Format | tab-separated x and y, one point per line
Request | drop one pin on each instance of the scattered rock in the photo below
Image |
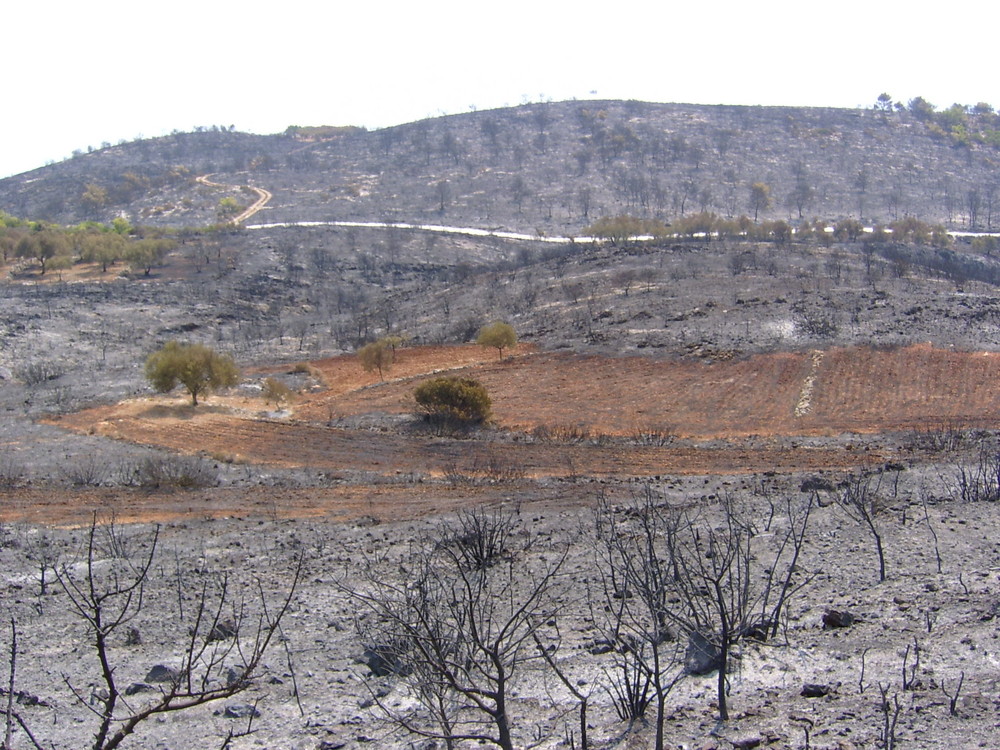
162	673
222	631
382	661
600	646
834	618
25	699
815	484
815	690
233	675
240	711
139	687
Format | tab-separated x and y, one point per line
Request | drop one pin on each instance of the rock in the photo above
600	646
382	661
746	743
814	690
240	711
834	618
233	675
139	687
162	673
702	656
222	631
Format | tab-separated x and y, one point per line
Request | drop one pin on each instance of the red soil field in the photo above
740	415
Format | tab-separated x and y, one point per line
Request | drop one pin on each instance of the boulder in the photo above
815	690
162	673
834	618
702	656
383	661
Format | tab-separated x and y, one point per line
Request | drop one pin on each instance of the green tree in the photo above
144	254
199	368
121	225
760	198
275	392
498	336
378	355
228	208
94	197
43	246
622	228
105	248
8	242
921	108
60	263
453	400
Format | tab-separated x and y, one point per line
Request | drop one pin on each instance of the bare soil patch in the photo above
733	417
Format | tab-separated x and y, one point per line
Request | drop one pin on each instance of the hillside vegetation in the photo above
553	168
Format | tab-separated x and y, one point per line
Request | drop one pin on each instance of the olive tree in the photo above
378	355
498	336
199	368
43	246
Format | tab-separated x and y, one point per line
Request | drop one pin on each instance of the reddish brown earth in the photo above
742	416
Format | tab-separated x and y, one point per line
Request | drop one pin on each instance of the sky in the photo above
80	74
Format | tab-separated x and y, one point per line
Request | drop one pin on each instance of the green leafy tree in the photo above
622	228
199	368
498	336
453	400
121	225
228	208
378	355
921	108
8	241
104	248
94	197
275	392
43	246
848	230
144	254
60	263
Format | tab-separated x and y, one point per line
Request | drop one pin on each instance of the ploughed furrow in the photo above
331	449
871	390
733	408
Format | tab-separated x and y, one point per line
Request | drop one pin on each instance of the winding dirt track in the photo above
263	197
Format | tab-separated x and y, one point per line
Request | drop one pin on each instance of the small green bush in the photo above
453	400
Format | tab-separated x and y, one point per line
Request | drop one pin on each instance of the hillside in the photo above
748	416
550	167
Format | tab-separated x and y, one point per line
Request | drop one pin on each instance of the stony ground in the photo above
948	614
259	502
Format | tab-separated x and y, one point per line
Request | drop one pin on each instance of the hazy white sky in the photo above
80	73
